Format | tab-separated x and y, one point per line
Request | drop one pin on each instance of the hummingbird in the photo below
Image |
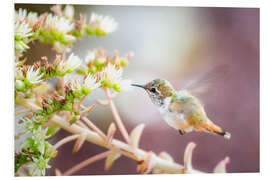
181	109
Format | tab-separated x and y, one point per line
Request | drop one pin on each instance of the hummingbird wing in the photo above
203	83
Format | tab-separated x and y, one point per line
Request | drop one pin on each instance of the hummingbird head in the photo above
158	90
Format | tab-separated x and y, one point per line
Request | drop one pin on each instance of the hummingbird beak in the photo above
138	85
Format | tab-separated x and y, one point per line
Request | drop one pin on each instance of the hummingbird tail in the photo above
216	129
225	134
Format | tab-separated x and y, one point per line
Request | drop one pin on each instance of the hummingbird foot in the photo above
181	132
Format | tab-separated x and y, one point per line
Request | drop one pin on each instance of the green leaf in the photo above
20	160
52	130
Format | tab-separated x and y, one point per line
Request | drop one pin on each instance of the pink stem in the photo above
80	123
94	127
79	104
65	140
117	117
86	162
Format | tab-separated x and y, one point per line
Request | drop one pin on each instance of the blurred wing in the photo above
205	81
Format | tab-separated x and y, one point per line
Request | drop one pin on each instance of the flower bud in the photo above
19	85
67	106
85	90
123	62
74	119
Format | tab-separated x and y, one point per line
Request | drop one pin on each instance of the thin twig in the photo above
86	163
65	140
117	118
87	110
80	102
80	123
94	127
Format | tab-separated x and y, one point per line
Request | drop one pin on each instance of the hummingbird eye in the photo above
153	90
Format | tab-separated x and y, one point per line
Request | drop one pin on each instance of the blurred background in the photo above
178	44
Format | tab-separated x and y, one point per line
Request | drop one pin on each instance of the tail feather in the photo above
216	129
225	134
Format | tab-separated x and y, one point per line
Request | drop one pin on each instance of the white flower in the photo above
33	76
75	85
69	11
40	134
58	23
91	55
97	55
39	166
69	65
111	74
22	30
32	18
105	24
27	125
20	15
90	83
101	59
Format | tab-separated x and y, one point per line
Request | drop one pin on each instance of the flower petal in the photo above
135	135
110	159
221	166
79	142
188	156
110	133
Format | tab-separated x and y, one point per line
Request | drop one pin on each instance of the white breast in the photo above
164	108
169	117
172	117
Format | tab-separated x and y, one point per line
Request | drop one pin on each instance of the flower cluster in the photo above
35	150
69	65
22	34
26	77
111	77
101	25
59	29
95	60
90	83
109	70
24	29
33	90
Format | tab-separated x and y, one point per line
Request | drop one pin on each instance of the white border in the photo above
7	125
